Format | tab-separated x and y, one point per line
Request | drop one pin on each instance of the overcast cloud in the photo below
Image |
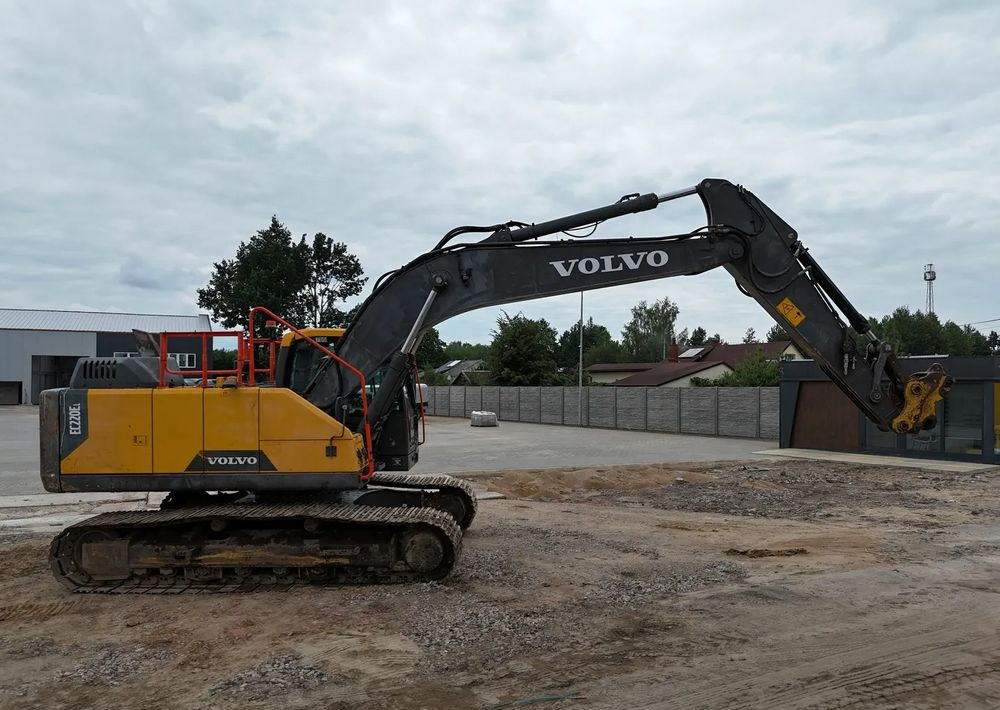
143	140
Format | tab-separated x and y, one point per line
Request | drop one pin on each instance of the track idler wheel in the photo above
423	551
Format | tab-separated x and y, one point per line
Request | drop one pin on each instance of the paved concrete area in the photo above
19	451
57	499
455	447
452	447
875	460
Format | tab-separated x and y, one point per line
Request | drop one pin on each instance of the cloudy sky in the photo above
141	141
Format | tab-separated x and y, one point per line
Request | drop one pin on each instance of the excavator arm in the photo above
515	263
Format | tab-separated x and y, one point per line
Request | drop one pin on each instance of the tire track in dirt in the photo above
959	663
37	612
977	680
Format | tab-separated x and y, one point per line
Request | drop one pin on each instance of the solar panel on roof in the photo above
691	352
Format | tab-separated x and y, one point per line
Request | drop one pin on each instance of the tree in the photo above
523	352
430	352
645	337
699	337
916	333
430	377
333	275
607	352
776	334
457	350
754	371
300	282
223	359
569	342
750	336
716	338
993	343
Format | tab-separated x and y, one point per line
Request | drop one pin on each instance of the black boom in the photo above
759	249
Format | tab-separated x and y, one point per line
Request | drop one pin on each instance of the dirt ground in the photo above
776	583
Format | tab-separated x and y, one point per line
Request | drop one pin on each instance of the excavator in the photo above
291	468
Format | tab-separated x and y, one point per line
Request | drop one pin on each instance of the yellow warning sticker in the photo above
790	311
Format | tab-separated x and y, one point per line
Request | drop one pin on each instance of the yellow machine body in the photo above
194	438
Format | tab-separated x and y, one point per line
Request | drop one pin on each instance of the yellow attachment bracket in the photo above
920	397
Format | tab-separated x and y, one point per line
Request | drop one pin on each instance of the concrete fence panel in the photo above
509	407
739	411
442	401
699	409
571	406
663	409
630	407
749	412
473	400
529	404
457	406
551	405
491	400
768	413
602	406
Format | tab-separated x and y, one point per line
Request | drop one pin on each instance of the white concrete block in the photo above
483	419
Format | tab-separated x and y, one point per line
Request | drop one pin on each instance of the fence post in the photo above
758	411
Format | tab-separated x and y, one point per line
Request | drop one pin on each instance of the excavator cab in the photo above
299	365
299	362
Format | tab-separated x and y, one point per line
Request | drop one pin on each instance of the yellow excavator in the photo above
290	468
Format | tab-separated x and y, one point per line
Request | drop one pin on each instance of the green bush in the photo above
755	371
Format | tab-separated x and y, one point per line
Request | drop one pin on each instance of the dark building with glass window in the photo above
816	415
39	349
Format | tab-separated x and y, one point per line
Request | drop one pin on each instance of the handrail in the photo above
205	372
252	341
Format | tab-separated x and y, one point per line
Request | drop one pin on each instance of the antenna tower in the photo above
929	275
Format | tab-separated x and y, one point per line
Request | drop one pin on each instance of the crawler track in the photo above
443	485
247	547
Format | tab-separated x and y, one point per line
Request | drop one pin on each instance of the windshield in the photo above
306	361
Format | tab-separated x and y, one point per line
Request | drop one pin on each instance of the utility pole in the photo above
579	390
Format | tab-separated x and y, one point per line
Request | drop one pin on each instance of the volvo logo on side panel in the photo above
611	263
219	461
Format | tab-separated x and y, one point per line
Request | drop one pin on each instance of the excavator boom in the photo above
515	262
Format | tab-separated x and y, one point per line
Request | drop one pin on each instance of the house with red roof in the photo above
708	361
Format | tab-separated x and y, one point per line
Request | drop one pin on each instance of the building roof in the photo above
665	372
453	368
93	322
734	354
691	360
620	366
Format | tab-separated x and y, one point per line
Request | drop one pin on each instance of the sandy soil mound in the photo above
550	484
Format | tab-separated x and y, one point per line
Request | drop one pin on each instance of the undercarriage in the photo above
409	532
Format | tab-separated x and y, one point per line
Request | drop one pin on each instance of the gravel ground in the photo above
627	590
275	676
113	663
776	583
